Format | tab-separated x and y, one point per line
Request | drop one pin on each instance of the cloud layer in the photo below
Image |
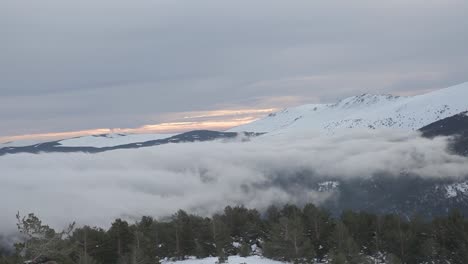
205	177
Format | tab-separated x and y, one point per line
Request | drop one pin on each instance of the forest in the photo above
289	233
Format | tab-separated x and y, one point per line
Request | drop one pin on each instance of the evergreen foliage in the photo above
290	233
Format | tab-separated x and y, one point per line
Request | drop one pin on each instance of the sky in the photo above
151	65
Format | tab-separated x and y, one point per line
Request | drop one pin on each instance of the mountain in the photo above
406	195
111	140
455	126
440	113
362	111
450	126
366	111
101	143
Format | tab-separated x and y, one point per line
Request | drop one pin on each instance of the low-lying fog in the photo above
204	177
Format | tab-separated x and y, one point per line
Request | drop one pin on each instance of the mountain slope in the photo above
98	141
95	144
366	111
407	195
111	140
455	126
450	126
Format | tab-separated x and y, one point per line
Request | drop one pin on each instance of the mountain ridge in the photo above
191	136
456	127
366	111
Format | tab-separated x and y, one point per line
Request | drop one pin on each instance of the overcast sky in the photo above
75	65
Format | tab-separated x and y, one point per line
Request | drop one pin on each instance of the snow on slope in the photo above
455	189
98	141
231	260
22	143
111	140
366	111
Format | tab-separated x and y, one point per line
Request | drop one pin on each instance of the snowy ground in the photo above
22	143
250	260
232	260
97	141
110	140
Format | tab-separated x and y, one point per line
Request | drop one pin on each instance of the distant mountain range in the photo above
427	112
366	111
101	143
440	113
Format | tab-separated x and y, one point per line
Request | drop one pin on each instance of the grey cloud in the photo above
126	62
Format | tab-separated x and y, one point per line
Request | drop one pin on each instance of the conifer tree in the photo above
288	239
221	237
344	244
42	241
122	237
319	226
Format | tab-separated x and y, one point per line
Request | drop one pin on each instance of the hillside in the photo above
102	143
366	111
455	126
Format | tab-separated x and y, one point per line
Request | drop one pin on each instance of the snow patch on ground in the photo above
231	260
328	186
21	143
380	259
453	190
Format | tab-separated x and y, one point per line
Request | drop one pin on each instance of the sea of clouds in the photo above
204	177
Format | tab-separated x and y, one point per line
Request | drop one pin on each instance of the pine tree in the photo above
184	235
319	227
145	237
221	237
245	250
203	238
288	239
93	243
123	238
344	244
42	241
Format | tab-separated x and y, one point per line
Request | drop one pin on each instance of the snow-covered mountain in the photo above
380	192
98	141
108	142
362	111
366	111
111	140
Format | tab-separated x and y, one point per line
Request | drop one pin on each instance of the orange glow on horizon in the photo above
232	118
224	113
